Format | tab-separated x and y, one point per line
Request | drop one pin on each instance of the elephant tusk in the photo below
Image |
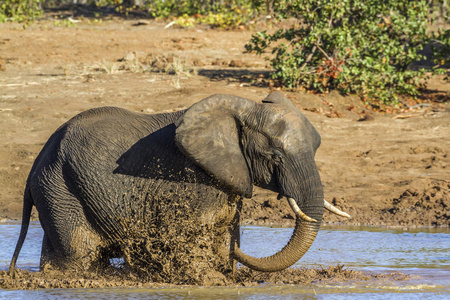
298	212
335	210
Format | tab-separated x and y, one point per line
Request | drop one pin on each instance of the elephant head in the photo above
272	145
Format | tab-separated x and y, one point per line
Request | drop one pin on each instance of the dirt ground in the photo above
383	169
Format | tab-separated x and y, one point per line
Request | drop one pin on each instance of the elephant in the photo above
108	169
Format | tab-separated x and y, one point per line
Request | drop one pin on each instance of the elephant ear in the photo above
208	134
279	98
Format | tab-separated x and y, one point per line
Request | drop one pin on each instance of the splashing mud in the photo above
188	253
181	242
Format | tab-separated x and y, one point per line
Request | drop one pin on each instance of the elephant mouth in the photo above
327	205
299	213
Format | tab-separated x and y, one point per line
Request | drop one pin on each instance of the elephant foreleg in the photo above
47	253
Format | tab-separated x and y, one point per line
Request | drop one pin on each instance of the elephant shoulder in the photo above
108	132
119	121
104	134
99	115
98	133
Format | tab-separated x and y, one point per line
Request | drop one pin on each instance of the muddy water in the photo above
424	254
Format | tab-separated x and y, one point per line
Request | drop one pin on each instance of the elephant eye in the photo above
277	156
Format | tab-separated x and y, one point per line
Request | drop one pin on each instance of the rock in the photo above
236	63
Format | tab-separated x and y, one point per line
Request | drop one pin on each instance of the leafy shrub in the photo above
19	10
230	17
220	14
441	48
177	8
226	17
354	46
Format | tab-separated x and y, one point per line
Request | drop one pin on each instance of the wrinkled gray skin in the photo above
110	164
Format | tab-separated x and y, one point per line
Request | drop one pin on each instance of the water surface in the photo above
424	254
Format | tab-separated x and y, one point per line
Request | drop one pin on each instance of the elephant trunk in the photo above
305	231
303	236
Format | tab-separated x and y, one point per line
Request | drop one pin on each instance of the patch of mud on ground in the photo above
244	277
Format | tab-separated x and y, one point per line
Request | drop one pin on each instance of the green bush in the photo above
354	46
225	14
441	47
177	8
19	10
234	15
